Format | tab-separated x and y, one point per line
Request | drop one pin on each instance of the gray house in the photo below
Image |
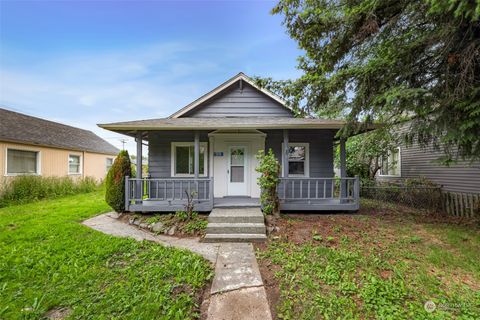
207	149
413	161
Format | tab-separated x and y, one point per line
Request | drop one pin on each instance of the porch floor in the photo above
232	202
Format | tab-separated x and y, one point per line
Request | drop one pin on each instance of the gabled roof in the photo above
239	77
20	128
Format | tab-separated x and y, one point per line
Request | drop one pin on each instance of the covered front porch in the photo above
212	174
307	194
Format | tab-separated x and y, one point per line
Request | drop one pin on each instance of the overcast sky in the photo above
88	62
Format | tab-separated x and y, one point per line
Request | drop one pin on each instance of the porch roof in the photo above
222	123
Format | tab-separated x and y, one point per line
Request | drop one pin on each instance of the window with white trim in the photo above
298	159
391	163
183	159
74	166
108	164
22	162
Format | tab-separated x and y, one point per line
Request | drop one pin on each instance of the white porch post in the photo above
196	159
285	153
196	156
139	165
343	169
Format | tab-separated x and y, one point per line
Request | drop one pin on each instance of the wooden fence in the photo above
461	204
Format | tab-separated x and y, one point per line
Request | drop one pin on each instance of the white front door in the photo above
237	171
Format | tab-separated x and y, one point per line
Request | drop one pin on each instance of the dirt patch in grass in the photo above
58	313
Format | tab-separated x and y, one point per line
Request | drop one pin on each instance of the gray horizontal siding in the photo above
233	102
321	149
320	144
160	148
418	162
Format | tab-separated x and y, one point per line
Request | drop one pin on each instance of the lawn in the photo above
383	263
52	263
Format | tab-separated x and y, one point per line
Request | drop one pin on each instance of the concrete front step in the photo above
229	218
235	225
239	237
235	228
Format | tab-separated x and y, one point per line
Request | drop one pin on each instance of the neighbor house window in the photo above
298	155
109	163
391	163
74	164
22	162
183	159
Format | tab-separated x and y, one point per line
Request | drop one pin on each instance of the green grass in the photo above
382	267
49	260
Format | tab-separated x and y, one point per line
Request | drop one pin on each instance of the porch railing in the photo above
167	191
345	190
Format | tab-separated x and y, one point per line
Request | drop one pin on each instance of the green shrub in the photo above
24	189
115	182
268	181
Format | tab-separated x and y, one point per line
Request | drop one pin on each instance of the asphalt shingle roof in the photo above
17	127
224	123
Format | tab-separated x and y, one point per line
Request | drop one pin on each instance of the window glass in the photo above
296	160
182	156
73	164
109	163
237	163
391	163
21	162
185	160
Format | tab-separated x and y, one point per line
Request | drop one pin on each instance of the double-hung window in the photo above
183	159
74	165
391	163
298	159
23	162
108	164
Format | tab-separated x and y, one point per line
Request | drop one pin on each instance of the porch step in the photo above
239	237
244	215
235	228
235	225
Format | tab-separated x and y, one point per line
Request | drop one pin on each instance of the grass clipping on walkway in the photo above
384	264
50	261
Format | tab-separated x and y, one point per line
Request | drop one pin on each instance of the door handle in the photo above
228	171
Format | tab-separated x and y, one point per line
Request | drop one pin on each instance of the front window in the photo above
22	162
298	159
73	164
391	163
109	163
184	159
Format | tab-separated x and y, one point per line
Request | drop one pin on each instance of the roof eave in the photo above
220	126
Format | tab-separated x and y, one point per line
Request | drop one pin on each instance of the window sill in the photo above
188	176
75	174
21	174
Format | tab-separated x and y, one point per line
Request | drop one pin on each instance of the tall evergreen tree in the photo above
387	61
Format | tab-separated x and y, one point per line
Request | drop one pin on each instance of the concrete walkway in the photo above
106	223
237	291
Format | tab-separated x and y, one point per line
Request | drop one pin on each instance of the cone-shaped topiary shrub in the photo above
115	181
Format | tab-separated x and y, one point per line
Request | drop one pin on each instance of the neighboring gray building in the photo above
413	161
